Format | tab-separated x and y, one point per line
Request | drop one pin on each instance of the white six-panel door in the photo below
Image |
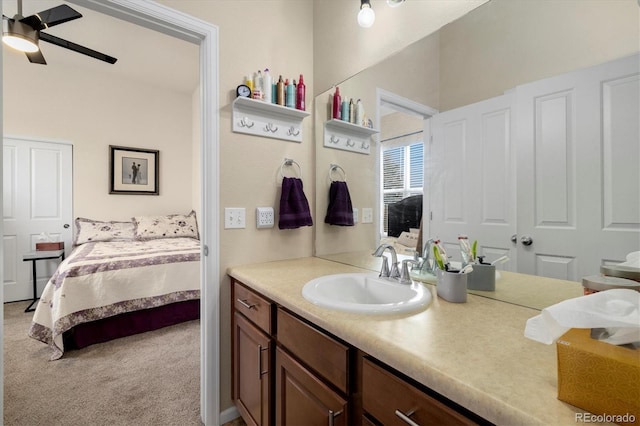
571	146
473	180
579	170
37	198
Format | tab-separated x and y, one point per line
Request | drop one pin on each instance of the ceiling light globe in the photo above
394	3
366	16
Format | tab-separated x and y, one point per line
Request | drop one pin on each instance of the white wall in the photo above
93	111
505	43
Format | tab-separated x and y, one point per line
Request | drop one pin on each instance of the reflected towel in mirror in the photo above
340	210
294	207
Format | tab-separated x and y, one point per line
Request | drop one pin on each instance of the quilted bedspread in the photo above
103	279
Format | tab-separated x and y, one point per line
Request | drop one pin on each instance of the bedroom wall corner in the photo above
1	249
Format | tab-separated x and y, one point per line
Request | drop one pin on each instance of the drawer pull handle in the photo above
244	303
405	417
260	372
332	416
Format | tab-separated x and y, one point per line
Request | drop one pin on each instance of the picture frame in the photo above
134	171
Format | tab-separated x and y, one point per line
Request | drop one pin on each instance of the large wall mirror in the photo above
481	59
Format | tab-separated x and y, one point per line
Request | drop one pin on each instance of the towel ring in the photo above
335	168
290	162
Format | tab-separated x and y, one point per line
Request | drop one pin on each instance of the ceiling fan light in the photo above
19	36
366	16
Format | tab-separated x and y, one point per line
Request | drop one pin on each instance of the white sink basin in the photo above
365	293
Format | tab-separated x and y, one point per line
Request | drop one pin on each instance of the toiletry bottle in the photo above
337	101
257	84
344	110
266	86
290	101
352	111
249	82
465	250
301	94
359	113
280	91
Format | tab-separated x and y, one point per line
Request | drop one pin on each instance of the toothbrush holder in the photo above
451	286
483	277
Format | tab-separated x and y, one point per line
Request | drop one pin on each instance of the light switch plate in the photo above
355	216
234	217
367	215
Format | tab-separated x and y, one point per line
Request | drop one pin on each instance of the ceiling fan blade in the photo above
36	57
77	48
50	17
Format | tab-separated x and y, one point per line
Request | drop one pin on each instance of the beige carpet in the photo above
148	379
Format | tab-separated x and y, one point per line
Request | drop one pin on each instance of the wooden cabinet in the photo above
252	356
304	399
391	400
287	371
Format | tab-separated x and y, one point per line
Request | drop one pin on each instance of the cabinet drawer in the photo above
253	306
388	398
320	352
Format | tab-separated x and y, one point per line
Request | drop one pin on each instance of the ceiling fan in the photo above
24	33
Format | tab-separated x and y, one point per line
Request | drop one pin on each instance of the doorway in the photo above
414	118
168	21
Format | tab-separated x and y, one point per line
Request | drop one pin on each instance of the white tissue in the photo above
633	260
617	310
45	237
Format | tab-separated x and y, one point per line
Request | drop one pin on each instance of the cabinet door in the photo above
251	376
302	399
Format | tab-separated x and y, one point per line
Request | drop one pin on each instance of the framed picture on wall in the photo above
134	171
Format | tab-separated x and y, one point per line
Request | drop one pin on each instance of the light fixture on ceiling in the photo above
394	3
19	36
366	16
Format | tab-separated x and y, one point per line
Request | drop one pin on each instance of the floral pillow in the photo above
88	230
169	226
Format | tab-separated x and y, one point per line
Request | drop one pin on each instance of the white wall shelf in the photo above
259	118
347	136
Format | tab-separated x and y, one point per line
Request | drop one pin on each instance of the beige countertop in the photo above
474	353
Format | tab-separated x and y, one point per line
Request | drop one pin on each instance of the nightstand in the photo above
33	257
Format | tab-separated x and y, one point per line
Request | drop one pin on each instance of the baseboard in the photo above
229	414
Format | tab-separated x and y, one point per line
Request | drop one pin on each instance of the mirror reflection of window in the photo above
403	176
402	150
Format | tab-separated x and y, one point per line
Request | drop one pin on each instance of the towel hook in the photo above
334	168
290	162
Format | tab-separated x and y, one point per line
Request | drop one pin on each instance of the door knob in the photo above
514	238
65	226
527	241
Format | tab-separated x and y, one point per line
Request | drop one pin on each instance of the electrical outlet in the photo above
234	217
367	215
264	217
355	216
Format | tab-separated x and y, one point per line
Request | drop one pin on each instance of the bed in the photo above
121	278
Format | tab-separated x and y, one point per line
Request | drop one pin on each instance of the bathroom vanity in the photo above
460	363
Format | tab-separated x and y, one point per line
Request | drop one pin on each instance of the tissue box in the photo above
599	377
49	246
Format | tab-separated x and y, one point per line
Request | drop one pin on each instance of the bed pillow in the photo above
169	226
89	230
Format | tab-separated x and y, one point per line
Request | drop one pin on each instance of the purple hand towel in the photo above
294	207
340	210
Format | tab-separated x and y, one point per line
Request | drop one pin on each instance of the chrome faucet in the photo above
385	271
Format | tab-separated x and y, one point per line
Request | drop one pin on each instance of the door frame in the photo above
408	106
168	21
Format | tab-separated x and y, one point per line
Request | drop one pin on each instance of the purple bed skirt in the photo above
127	324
